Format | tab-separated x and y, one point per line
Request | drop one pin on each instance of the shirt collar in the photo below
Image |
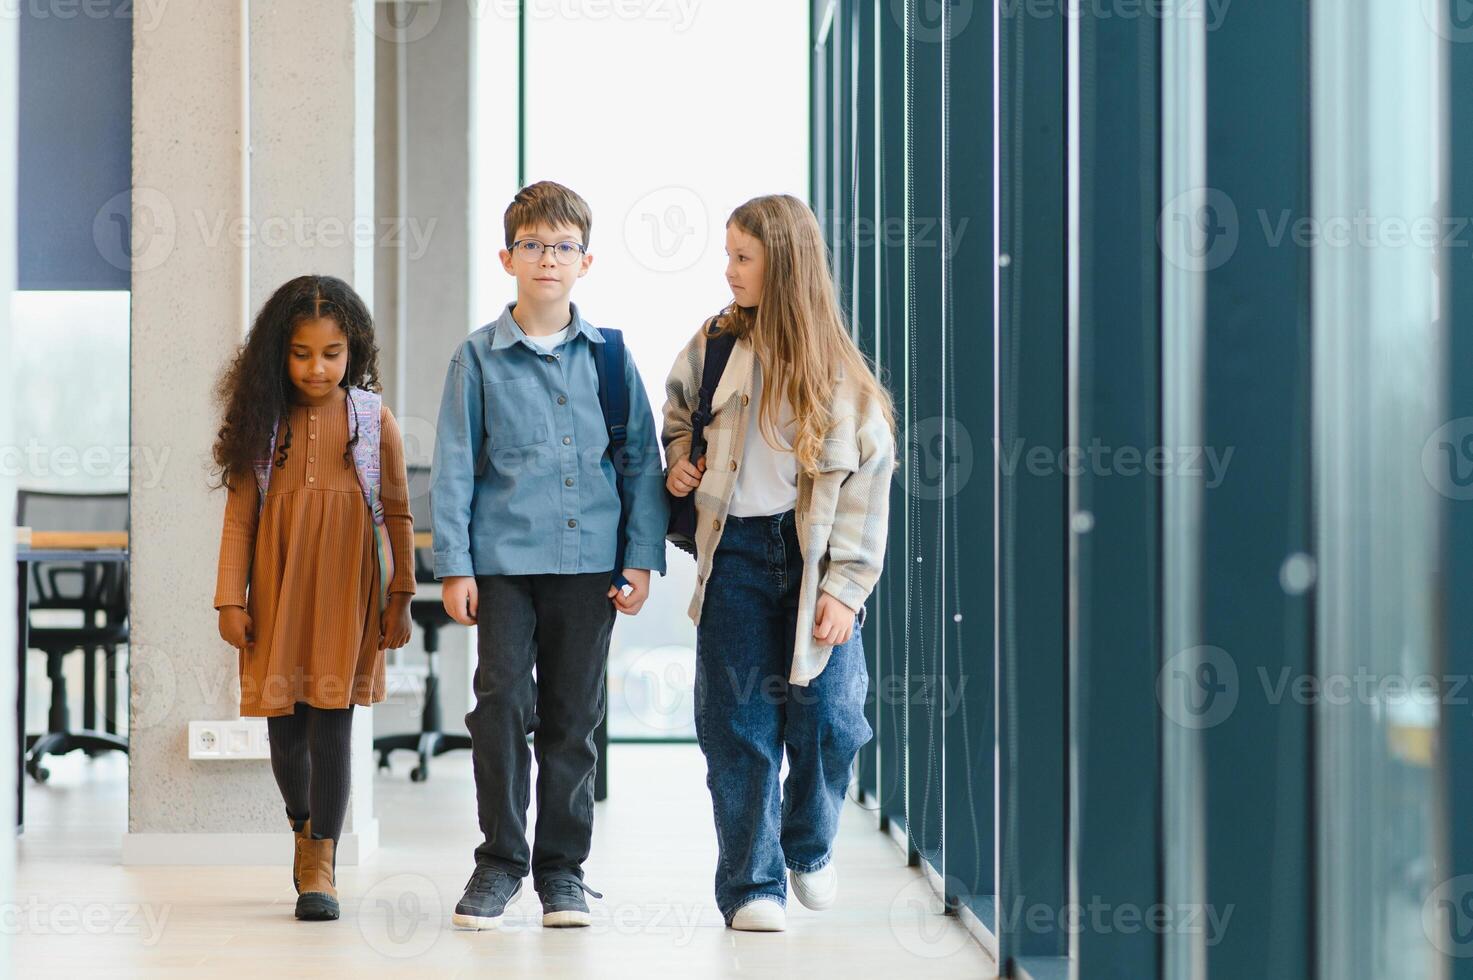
507	331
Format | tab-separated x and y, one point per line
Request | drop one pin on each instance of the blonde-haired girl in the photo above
792	503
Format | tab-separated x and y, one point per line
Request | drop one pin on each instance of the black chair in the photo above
430	614
97	592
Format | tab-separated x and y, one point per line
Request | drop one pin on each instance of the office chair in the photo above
430	615
98	592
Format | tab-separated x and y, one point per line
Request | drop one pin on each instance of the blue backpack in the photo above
613	398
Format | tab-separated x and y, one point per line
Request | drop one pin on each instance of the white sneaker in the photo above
760	915
816	889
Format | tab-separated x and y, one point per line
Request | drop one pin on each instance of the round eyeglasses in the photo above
531	249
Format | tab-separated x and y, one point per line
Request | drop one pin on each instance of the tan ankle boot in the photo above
319	895
302	830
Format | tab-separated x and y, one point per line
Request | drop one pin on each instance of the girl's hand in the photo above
684	476
394	625
833	622
235	627
639	583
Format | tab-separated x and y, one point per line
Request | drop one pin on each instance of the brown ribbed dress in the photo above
312	572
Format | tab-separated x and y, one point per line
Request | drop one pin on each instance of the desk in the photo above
47	546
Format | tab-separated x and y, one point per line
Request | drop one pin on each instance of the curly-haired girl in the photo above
316	557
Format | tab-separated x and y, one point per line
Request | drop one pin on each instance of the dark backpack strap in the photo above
718	352
613	398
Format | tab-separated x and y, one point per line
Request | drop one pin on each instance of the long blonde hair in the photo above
798	332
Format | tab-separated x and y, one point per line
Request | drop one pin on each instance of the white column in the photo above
312	206
188	314
426	75
259	169
437	217
8	748
311	176
390	179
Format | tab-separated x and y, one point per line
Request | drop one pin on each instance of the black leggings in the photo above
311	759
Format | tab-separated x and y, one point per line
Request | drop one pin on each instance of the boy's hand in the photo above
235	627
458	593
639	591
684	477
394	625
833	622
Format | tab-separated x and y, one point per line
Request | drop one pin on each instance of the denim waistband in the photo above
787	517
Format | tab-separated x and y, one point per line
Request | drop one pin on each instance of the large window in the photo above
683	111
71	394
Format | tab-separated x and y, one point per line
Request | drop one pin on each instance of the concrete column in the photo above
189	311
390	176
311	125
311	194
426	72
437	157
258	169
8	101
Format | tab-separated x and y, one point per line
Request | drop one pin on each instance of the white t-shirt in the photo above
767	479
551	340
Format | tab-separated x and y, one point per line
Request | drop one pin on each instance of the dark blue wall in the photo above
76	107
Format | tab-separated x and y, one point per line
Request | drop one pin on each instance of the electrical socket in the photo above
204	740
240	738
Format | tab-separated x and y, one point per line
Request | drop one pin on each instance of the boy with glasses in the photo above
528	514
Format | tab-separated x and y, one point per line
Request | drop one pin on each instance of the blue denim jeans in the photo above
747	715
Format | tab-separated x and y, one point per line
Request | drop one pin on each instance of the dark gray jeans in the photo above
561	625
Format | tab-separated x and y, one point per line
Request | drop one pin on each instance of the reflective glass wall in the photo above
1169	656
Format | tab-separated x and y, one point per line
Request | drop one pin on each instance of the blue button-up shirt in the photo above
522	482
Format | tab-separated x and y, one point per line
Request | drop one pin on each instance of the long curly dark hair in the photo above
255	392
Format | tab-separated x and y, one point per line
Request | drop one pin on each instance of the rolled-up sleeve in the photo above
458	438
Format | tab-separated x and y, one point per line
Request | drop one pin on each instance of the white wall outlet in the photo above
239	738
204	740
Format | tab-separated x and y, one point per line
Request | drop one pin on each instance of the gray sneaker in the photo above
562	900
486	897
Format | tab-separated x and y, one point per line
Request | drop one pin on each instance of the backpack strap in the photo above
718	352
613	399
262	467
365	420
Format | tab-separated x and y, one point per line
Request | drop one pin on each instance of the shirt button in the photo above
311	479
568	482
549	358
744	399
312	435
562	399
312	417
311	459
572	524
733	464
567	439
715	525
